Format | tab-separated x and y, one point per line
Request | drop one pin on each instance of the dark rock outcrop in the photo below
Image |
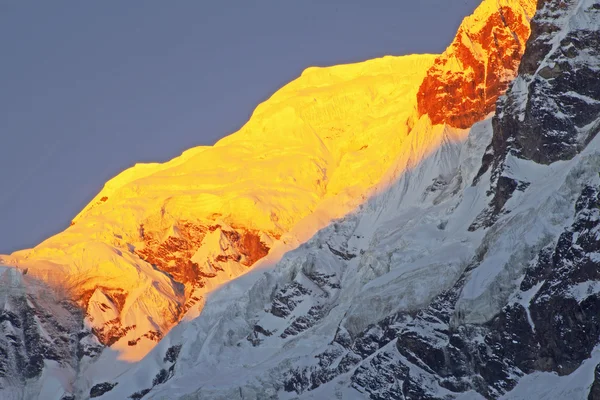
101	388
551	111
35	327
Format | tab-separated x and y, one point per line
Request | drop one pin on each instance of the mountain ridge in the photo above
372	268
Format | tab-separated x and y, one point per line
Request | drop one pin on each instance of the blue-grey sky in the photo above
89	88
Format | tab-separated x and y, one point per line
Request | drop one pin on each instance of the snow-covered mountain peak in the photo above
371	232
464	83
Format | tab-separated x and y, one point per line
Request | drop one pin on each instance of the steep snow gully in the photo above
416	227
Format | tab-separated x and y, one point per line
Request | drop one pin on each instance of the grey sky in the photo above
88	88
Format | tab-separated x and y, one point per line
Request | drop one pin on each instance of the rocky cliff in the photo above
463	84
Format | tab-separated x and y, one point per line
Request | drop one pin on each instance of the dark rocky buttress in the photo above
37	327
551	111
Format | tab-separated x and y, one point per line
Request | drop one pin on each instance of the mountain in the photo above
462	86
375	231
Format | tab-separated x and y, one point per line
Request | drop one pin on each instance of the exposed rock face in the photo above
178	256
37	328
595	389
101	388
23	346
552	109
464	83
173	254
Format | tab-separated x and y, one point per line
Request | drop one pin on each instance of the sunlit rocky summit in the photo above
412	227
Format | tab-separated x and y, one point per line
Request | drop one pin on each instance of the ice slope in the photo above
551	386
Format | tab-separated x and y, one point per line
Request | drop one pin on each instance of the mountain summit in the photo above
374	231
462	86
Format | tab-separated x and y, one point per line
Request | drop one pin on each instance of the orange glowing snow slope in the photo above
158	237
